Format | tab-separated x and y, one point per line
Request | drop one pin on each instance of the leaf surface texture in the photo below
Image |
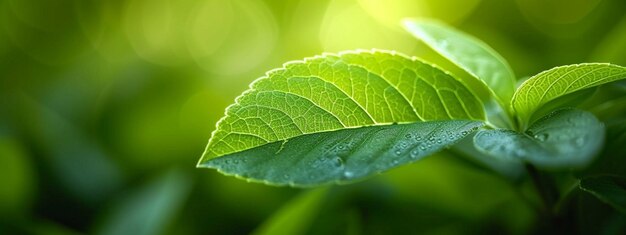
340	91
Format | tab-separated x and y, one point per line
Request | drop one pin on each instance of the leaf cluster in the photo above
340	118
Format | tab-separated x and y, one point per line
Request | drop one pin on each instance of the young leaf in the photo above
338	91
609	189
566	138
342	156
554	83
469	53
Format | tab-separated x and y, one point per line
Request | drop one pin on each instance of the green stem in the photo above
549	194
546	188
566	196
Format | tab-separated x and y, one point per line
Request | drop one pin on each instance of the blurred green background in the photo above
105	107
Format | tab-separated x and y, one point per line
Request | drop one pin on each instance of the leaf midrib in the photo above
390	88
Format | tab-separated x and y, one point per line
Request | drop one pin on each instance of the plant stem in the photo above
546	189
549	194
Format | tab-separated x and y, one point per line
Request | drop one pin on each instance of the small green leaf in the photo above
296	216
554	83
609	189
333	92
469	53
566	138
342	156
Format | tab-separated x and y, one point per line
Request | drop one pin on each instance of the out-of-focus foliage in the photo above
105	107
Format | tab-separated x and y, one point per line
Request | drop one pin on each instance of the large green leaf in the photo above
566	138
338	91
493	74
557	82
609	189
342	156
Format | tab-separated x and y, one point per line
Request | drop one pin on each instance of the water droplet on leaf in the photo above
338	162
541	137
580	141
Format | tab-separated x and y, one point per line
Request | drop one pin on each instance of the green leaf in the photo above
557	82
609	189
613	157
339	91
493	74
512	170
566	138
149	209
296	216
342	156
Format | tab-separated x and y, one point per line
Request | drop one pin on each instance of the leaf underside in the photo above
566	138
557	82
342	156
339	91
609	189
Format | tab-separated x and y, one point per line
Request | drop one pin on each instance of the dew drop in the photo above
414	153
402	145
431	139
408	136
422	147
227	161
464	133
348	174
580	141
398	152
418	138
439	141
338	162
541	137
236	161
395	162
